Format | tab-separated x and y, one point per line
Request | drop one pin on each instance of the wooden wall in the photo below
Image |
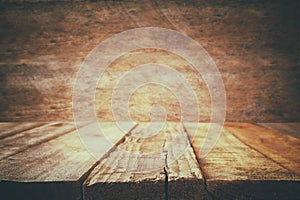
255	45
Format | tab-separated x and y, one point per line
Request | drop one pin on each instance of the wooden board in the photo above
292	129
11	128
281	148
233	170
54	169
23	140
135	169
49	162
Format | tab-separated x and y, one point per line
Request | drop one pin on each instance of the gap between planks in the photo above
135	170
234	170
281	148
27	138
42	171
216	183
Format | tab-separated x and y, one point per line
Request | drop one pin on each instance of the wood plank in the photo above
54	169
23	140
232	170
135	169
12	128
292	129
281	148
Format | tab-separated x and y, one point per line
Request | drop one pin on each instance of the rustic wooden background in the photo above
255	45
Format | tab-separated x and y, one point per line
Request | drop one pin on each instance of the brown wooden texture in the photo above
54	169
50	161
43	46
292	129
11	128
23	140
281	148
134	170
233	170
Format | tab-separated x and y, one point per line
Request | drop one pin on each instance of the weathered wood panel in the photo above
59	167
292	129
39	60
135	170
281	148
54	169
23	140
11	128
235	171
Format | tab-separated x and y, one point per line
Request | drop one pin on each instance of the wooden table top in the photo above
49	160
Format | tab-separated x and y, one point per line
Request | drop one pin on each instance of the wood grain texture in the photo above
292	129
54	169
23	140
11	128
61	166
281	148
235	171
135	169
38	68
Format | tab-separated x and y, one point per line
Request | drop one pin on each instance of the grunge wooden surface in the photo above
61	167
255	45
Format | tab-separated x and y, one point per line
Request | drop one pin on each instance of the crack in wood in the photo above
199	164
166	171
166	183
115	146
